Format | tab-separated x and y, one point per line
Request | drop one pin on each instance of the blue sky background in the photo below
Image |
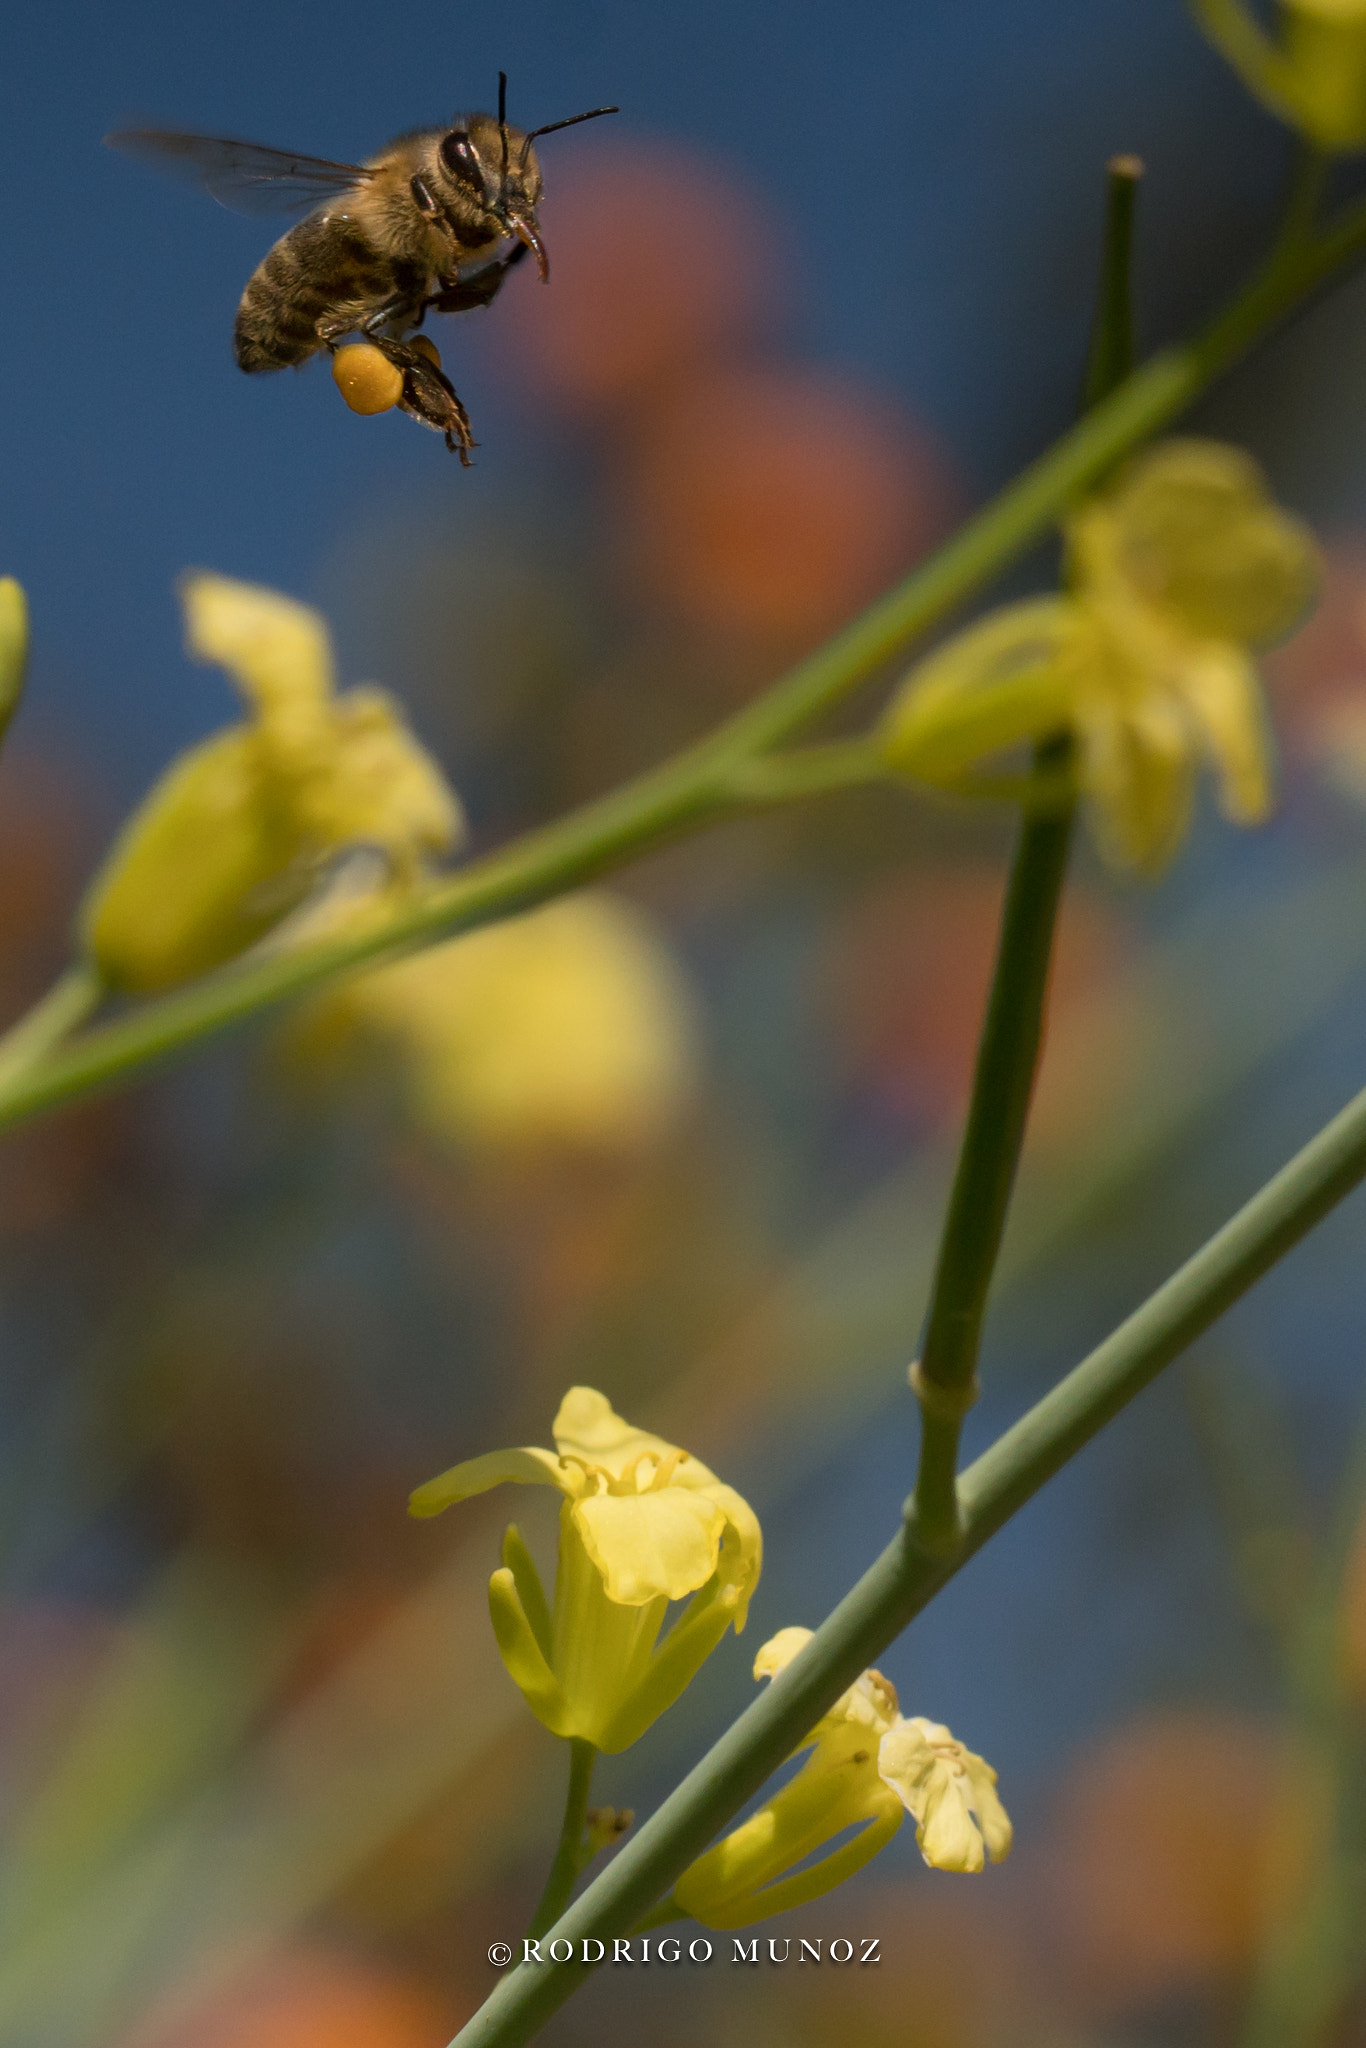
937	164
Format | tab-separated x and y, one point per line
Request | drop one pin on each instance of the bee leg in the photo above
429	396
430	207
480	290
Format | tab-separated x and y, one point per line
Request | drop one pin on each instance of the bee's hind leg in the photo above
429	396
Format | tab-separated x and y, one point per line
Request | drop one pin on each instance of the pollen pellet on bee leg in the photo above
422	346
366	379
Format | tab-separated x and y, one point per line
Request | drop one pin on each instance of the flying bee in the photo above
433	223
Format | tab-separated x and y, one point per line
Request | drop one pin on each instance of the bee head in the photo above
497	175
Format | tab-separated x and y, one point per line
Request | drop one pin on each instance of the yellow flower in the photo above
233	835
1177	571
959	1819
868	1768
571	1023
13	646
1312	72
642	1524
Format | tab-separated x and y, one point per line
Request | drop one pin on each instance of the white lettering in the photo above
815	1948
870	1954
746	1955
562	1941
694	1946
773	1955
531	1951
669	1943
835	1948
601	1951
621	1950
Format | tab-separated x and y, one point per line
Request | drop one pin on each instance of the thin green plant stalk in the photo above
906	1576
945	1375
73	998
571	1854
705	783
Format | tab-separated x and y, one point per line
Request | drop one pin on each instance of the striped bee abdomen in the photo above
321	270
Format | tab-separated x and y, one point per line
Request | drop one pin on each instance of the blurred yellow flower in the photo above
570	1023
233	834
1177	571
1312	72
868	1768
13	645
642	1524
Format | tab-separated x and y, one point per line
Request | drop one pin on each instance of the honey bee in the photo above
433	223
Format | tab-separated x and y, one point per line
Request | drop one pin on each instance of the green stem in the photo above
945	1378
692	788
570	1856
74	997
905	1577
1110	356
807	771
945	1375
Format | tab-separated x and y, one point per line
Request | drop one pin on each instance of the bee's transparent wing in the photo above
243	175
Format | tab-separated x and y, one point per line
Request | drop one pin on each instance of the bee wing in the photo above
245	176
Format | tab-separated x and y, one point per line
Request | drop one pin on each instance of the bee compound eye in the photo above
461	158
366	379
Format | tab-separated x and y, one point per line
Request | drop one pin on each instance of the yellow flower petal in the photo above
777	1653
276	650
870	1704
1139	773
950	1792
588	1427
645	1544
1194	531
529	1467
992	1818
1225	697
748	1551
377	786
570	1024
948	1840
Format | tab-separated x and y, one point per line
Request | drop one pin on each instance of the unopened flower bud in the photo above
366	379
200	872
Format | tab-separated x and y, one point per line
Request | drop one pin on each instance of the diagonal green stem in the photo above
73	997
569	1856
945	1375
905	1577
696	786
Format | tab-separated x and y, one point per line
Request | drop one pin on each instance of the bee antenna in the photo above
503	121
573	122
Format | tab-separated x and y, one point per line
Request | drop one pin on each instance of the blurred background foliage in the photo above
262	1778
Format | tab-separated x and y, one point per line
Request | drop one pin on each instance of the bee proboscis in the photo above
433	223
